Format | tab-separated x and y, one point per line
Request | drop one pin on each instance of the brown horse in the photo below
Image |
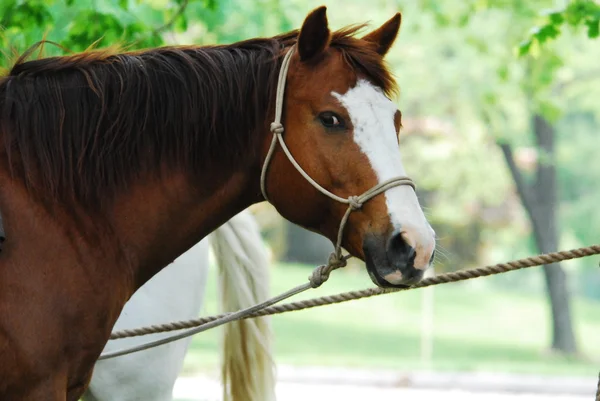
112	165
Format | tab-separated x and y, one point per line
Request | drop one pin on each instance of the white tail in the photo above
247	364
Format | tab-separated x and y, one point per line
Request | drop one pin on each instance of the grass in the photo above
475	328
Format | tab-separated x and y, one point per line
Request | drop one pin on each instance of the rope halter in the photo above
336	260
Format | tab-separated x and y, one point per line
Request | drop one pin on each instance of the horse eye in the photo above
331	120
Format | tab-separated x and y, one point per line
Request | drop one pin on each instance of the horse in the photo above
113	163
177	293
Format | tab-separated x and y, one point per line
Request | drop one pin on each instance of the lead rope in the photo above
319	274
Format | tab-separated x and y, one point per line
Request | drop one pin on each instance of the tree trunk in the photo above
540	200
546	235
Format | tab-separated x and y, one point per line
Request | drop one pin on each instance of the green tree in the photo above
77	25
575	14
529	113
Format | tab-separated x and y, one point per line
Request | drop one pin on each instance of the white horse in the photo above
177	293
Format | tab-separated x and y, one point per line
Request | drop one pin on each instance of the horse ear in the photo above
385	35
314	35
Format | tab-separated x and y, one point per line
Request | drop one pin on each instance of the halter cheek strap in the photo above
336	259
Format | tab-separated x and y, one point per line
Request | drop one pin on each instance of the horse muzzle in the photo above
390	260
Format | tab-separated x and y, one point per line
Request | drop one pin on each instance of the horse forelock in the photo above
83	126
362	57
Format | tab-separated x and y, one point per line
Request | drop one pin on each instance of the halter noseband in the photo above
354	202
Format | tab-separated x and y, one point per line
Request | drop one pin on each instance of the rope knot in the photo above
354	202
321	273
319	276
336	260
276	128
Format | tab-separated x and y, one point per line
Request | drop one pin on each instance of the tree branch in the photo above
170	23
524	190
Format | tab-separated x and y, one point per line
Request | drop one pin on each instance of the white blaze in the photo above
372	115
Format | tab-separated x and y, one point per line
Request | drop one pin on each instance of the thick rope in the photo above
451	277
206	323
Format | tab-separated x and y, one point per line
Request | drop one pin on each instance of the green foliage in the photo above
134	24
551	81
25	14
577	13
77	25
105	26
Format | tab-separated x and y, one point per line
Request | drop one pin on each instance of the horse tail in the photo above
248	370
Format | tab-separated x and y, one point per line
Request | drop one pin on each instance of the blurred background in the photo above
500	132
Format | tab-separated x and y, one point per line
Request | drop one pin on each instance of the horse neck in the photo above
161	218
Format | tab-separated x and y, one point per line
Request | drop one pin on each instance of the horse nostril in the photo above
400	251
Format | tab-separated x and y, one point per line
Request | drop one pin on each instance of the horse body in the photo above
94	277
114	164
177	293
49	336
